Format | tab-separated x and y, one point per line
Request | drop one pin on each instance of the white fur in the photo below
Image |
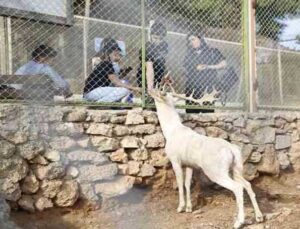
216	157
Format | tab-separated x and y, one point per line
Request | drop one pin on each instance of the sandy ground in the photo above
278	198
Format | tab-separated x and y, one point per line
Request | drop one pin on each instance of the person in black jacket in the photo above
156	52
202	64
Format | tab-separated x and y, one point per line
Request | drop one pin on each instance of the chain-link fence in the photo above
278	53
108	53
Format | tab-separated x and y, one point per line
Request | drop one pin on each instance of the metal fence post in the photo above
280	74
85	37
143	54
249	54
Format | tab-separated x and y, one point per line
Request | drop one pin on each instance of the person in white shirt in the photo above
39	65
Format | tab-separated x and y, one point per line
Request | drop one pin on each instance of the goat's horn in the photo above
192	94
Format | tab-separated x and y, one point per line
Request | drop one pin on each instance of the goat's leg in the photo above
239	177
188	180
225	181
179	178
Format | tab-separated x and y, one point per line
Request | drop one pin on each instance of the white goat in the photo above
215	156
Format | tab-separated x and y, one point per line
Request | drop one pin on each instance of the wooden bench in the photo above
28	87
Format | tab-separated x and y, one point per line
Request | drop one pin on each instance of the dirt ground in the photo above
278	198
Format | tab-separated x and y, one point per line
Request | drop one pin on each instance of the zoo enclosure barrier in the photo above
75	30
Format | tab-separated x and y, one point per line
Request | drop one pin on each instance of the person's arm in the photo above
217	61
117	82
220	65
59	82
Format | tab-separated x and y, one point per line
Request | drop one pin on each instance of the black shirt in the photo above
200	80
99	77
155	53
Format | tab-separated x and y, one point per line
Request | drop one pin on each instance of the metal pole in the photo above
9	45
249	54
280	75
143	54
85	38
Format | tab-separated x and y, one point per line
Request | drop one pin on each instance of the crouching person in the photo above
103	84
40	65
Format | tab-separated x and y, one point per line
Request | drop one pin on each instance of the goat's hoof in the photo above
188	209
180	209
238	225
259	218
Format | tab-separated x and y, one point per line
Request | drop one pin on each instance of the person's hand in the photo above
201	67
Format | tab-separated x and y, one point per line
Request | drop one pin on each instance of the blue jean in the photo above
107	94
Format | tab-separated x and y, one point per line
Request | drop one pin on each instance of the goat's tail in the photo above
237	160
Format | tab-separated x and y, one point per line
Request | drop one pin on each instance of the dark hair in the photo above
43	51
197	33
108	45
159	29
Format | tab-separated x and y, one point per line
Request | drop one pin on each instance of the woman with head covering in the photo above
201	65
103	84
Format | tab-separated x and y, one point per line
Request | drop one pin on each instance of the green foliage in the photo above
227	13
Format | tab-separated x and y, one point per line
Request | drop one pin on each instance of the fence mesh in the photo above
92	50
278	52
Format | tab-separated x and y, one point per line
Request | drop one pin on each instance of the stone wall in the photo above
51	156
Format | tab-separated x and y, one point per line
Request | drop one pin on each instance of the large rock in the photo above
80	156
6	149
50	188
98	116
147	170
134	117
16	137
264	135
255	157
239	137
39	160
52	171
14	168
143	129
118	119
150	117
30	184
250	171
159	158
100	129
294	155
269	163
93	173
246	151
69	129
240	122
119	156
76	116
140	154
130	142
9	190
68	194
31	149
87	192
283	141
62	143
155	140
27	203
41	203
283	159
133	167
118	187
105	143
216	132
120	130
52	155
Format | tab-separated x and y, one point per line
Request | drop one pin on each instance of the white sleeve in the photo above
57	79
